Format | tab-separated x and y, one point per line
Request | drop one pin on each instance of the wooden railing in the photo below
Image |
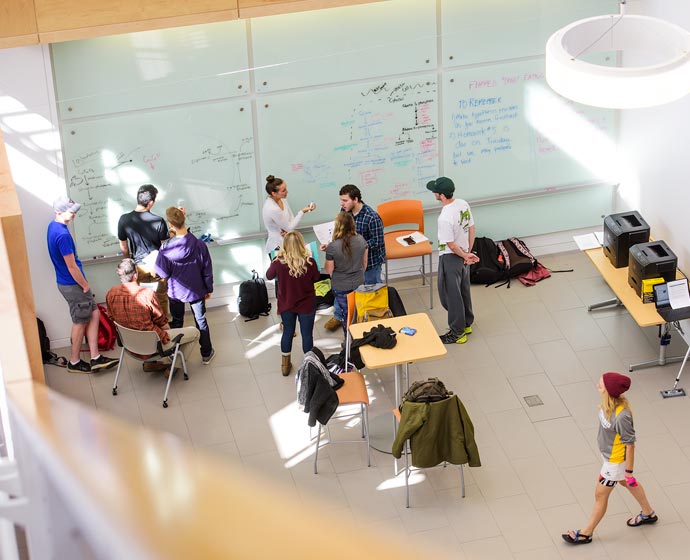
129	492
29	22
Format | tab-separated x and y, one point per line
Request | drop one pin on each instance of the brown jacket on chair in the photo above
438	432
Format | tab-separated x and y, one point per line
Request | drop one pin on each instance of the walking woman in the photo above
296	273
616	441
346	261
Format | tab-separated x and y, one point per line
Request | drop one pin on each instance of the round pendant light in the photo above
664	47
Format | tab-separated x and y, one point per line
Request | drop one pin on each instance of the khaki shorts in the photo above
81	305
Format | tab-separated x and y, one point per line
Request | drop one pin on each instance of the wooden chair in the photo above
397	217
353	392
144	345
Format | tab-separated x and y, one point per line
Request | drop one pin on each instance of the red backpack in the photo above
107	334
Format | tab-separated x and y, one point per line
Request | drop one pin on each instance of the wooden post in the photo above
20	353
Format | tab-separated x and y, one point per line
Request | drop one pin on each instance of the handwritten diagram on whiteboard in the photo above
381	136
200	157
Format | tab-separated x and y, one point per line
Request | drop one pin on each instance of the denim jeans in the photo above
306	329
199	311
373	275
340	305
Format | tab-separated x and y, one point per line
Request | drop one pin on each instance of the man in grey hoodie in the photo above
185	262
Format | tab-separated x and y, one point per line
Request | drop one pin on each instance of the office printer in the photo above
650	260
622	231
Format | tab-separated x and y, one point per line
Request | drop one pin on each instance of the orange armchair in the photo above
403	214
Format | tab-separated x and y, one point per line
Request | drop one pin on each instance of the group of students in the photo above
183	269
163	251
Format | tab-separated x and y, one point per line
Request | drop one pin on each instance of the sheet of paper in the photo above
600	237
151	285
416	236
678	294
587	241
324	232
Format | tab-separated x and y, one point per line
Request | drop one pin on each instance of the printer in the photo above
650	260
622	231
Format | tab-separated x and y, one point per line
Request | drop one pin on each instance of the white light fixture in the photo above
665	47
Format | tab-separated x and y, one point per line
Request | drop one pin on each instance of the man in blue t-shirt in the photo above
74	287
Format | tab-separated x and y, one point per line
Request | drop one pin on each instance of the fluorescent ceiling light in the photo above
664	47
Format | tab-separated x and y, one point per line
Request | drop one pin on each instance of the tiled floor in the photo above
539	464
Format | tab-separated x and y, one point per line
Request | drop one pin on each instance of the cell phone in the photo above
409	240
409	331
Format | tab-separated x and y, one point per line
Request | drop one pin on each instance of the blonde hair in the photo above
609	404
345	230
175	216
294	254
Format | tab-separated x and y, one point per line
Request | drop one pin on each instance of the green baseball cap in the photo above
442	185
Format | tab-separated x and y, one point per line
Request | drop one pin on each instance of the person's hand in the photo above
208	296
86	288
630	481
309	208
323	246
283	233
470	258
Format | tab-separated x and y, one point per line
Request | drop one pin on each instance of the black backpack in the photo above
43	339
490	269
253	298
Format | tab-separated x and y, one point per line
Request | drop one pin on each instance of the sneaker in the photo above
468	330
103	362
452	338
80	367
333	324
207	359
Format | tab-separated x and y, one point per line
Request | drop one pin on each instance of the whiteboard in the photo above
341	44
199	157
499	135
493	30
150	69
381	136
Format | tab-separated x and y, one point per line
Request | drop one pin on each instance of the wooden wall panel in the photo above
257	8
17	23
55	17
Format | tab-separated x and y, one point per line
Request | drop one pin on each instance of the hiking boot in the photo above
285	365
333	324
103	362
453	338
468	330
207	359
80	367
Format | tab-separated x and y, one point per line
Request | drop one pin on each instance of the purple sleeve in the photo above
272	271
162	265
207	271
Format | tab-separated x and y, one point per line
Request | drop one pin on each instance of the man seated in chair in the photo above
136	307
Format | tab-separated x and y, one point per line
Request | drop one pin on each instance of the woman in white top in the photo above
278	217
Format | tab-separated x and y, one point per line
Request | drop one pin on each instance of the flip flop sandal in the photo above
641	519
580	538
59	361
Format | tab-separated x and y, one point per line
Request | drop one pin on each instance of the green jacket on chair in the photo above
438	432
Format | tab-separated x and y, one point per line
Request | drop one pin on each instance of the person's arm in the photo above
285	221
272	271
77	275
162	266
373	232
365	258
314	270
329	266
124	248
207	268
157	316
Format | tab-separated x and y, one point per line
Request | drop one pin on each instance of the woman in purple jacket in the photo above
296	272
186	263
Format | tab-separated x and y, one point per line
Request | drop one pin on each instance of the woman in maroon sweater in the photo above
296	272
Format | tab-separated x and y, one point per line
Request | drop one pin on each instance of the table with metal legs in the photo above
425	344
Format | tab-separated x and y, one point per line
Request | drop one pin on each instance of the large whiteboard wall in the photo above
382	136
199	157
385	96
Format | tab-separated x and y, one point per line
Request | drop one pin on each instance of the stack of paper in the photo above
589	240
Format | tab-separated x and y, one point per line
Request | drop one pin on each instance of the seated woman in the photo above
296	273
346	261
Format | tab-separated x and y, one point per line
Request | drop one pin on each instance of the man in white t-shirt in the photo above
455	240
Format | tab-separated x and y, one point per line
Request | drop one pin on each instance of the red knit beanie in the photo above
616	384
